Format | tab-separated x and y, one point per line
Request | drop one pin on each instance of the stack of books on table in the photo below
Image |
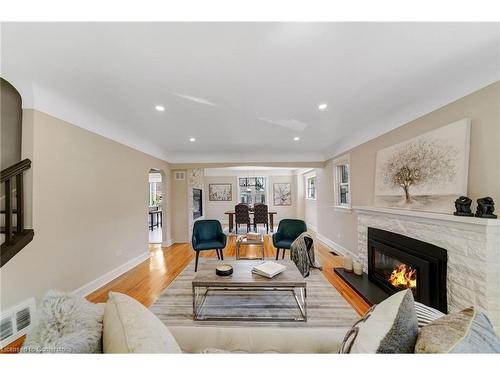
253	236
268	269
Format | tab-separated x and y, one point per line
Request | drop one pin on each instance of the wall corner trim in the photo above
341	250
167	243
88	288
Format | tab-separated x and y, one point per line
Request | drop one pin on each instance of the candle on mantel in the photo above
348	264
357	265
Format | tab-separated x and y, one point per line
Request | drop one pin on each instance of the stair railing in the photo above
7	176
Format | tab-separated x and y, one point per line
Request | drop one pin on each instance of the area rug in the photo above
325	306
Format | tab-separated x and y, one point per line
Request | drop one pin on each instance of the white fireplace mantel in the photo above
428	216
472	244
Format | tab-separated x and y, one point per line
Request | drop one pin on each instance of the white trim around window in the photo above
311	188
342	183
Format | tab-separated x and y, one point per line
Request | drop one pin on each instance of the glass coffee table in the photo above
245	296
244	241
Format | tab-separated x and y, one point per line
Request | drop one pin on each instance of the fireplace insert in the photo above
397	262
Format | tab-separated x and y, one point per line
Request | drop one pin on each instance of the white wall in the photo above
216	209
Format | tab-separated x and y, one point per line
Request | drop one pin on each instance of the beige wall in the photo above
90	204
179	205
482	107
10	124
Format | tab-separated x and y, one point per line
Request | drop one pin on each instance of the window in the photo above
341	182
252	190
311	187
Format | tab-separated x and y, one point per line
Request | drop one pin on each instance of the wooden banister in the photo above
14	170
18	237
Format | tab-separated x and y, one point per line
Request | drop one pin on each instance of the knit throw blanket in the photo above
302	254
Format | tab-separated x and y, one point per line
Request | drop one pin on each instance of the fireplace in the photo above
397	262
197	203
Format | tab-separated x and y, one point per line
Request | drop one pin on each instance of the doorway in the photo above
155	207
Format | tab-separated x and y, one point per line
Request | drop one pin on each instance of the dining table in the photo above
232	213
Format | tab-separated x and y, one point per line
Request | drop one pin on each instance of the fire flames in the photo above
404	277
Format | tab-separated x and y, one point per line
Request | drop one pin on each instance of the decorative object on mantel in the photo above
348	263
223	270
357	266
485	208
462	206
425	172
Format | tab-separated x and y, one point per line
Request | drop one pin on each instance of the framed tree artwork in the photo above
220	192
426	173
282	194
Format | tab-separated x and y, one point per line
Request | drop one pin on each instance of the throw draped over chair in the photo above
208	235
260	216
242	215
288	231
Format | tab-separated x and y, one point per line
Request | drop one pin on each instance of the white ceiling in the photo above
244	90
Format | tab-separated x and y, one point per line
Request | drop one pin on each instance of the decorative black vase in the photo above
485	208
462	206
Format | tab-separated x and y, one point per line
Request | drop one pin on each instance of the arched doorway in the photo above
156	209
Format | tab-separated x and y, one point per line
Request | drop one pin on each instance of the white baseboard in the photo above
312	228
167	243
88	288
339	249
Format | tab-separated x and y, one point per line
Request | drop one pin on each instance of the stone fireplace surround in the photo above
472	244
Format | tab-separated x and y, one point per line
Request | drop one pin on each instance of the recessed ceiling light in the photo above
296	138
322	106
192	139
160	108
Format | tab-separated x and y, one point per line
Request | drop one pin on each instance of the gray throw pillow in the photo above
466	331
389	327
65	323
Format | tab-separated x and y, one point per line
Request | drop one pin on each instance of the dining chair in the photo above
208	235
260	216
242	216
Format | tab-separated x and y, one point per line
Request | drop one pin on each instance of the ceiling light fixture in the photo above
296	138
160	108
192	139
322	106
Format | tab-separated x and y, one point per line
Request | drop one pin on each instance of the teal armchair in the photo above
288	231
208	235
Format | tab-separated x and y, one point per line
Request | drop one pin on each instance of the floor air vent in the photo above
15	322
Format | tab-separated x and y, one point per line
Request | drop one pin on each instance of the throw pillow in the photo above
131	328
65	323
389	327
466	331
426	314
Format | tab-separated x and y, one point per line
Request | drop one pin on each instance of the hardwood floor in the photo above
146	281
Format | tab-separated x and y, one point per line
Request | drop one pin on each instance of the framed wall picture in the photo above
427	172
220	192
282	194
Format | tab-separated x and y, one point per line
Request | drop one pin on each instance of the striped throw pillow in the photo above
426	314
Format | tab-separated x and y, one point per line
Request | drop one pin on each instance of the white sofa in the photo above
258	339
128	327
